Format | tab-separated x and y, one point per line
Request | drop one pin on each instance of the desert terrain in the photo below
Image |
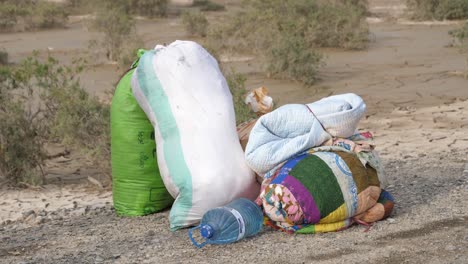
411	78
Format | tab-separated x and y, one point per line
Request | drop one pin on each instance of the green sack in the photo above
137	185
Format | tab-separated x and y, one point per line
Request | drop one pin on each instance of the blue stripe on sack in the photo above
173	154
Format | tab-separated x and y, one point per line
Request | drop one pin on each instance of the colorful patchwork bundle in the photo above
324	189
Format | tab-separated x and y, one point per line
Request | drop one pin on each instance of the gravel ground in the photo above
418	113
429	225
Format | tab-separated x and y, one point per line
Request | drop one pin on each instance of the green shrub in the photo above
3	57
339	26
461	36
129	49
286	33
207	5
195	23
30	14
290	57
117	27
236	83
21	134
438	9
150	8
49	15
42	101
8	16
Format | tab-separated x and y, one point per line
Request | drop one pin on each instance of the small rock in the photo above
62	159
87	209
43	213
116	256
78	212
30	218
39	220
450	247
391	220
28	213
98	259
95	182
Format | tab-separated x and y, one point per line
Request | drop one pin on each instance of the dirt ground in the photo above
411	79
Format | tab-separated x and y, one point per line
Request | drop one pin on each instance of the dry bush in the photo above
286	33
195	23
236	83
461	37
3	57
42	101
31	15
113	20
8	16
438	9
207	5
150	8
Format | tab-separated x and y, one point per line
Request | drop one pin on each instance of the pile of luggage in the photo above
175	143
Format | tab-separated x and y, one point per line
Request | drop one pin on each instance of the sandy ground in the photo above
410	78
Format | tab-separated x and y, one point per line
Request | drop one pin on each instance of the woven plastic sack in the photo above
137	185
183	92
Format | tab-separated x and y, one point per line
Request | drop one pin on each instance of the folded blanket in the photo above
322	191
294	128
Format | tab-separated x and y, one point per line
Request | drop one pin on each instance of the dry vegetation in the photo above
17	15
43	101
196	24
439	9
461	36
286	34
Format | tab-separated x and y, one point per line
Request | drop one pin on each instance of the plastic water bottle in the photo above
239	219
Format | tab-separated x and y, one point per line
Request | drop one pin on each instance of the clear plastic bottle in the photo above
239	219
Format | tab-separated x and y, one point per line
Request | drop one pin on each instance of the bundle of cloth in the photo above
294	128
324	189
319	173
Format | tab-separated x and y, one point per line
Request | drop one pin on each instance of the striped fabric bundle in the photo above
323	191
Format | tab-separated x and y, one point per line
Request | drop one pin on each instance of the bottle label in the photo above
240	220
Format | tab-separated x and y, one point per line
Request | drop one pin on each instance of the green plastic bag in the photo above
137	185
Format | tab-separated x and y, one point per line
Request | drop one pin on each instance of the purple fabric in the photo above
302	195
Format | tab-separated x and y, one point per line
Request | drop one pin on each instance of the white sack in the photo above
184	94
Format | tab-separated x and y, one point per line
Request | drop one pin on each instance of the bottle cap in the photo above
206	231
